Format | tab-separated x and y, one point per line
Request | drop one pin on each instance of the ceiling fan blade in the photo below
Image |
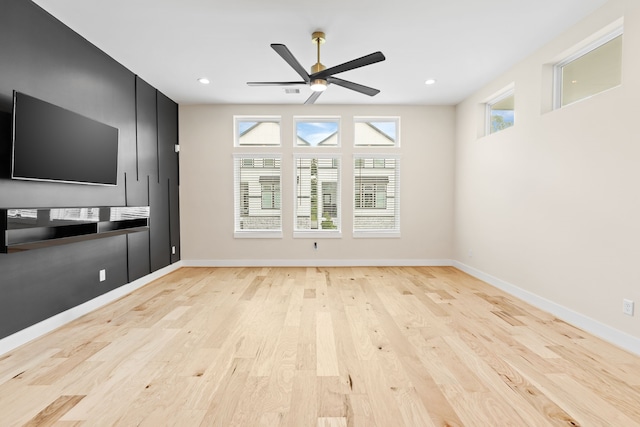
312	98
356	63
286	54
276	83
353	86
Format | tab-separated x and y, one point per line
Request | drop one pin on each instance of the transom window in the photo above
376	131
500	112
257	131
317	131
589	71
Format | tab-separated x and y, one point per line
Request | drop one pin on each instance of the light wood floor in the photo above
384	347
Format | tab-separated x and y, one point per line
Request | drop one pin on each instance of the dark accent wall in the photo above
41	57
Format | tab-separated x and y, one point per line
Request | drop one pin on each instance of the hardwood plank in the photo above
52	413
354	346
326	356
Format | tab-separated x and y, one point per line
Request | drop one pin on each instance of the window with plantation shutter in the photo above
317	198
257	195
376	196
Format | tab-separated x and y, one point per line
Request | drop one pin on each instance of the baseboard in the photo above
607	333
318	263
41	328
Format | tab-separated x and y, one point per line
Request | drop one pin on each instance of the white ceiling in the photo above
463	44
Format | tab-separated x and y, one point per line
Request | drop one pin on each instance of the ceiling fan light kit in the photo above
322	76
318	85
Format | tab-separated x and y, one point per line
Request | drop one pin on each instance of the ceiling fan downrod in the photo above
318	85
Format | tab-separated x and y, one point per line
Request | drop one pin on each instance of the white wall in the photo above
551	206
206	189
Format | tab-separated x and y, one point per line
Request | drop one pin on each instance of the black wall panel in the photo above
43	58
174	219
147	130
167	137
168	161
41	283
5	145
159	239
138	255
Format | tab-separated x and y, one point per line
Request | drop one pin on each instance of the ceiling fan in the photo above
321	76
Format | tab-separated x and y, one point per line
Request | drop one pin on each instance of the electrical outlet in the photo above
470	253
627	307
173	250
103	275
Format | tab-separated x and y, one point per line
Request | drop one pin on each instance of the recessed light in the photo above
204	80
430	81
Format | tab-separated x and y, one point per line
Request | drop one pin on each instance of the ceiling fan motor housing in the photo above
317	67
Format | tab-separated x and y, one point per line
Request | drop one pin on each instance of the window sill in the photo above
376	234
320	234
258	234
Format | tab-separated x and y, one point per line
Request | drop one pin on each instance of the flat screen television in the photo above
51	143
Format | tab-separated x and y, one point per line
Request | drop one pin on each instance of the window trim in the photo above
337	233
579	53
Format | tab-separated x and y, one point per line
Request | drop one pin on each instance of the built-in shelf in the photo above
28	229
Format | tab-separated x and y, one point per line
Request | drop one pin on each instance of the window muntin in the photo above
376	131
317	194
317	131
257	195
376	196
257	131
500	112
590	71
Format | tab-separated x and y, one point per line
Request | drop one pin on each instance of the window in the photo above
589	71
317	131
371	192
376	196
317	199
376	131
270	192
500	113
257	196
257	131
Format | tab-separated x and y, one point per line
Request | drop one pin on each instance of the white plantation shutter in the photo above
317	199
257	195
376	195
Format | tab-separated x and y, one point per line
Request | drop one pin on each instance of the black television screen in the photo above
54	144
